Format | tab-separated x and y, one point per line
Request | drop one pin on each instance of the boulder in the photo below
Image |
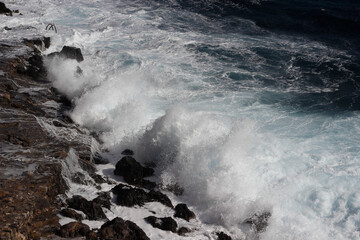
127	152
160	197
183	231
118	229
73	229
4	9
91	209
71	53
103	199
182	211
129	196
259	221
223	236
98	159
70	213
131	170
166	224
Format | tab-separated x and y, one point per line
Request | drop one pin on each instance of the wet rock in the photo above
127	152
182	211
39	42
160	197
129	196
131	170
166	224
92	235
259	221
4	9
183	231
103	199
118	229
91	209
148	184
98	159
70	213
73	229
71	53
223	236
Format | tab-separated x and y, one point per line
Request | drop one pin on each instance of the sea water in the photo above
250	106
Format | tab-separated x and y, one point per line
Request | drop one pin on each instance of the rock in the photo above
71	53
98	159
183	231
182	211
73	229
223	236
103	199
132	171
118	229
92	236
70	213
166	224
127	152
160	197
91	209
4	9
129	196
259	221
38	42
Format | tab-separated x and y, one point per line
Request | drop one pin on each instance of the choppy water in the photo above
250	106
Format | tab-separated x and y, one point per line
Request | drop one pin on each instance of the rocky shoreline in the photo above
43	150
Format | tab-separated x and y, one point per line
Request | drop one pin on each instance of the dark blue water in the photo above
336	24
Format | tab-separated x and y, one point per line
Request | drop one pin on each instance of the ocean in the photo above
250	106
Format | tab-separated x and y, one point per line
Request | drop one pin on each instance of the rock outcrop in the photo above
118	229
92	210
166	223
182	211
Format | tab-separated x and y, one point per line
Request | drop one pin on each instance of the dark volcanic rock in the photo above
160	197
118	229
103	199
73	229
38	42
132	171
91	209
182	211
223	236
70	213
259	221
183	231
127	152
129	196
71	53
4	9
167	223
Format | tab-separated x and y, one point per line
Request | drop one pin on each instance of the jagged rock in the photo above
127	152
223	236
4	9
182	211
72	53
118	229
183	231
70	213
147	184
103	199
129	196
259	221
131	170
38	42
91	209
160	197
166	224
73	229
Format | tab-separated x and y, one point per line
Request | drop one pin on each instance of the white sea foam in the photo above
148	87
